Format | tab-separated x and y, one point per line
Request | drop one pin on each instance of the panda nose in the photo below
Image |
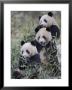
41	42
24	57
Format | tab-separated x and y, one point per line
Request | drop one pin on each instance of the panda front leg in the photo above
43	56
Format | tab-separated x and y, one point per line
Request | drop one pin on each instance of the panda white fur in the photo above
43	36
44	44
42	39
28	50
29	61
28	53
49	21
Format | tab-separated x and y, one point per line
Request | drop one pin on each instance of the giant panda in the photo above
29	61
29	53
49	21
44	44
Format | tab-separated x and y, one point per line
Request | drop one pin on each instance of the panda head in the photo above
43	36
47	20
28	49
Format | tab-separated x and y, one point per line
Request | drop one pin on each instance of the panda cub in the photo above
43	37
45	46
49	21
29	61
28	54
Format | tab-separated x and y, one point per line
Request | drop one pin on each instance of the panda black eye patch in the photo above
45	20
38	37
27	51
44	37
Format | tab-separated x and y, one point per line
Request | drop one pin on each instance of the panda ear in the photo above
50	14
33	43
22	42
38	28
39	17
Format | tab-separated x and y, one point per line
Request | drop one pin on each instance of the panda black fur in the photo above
28	53
49	21
29	61
40	30
45	45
